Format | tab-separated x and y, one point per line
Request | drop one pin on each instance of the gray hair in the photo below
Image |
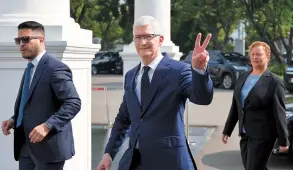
148	20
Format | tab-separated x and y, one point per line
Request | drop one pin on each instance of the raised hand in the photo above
200	56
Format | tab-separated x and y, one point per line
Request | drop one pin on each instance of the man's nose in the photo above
143	41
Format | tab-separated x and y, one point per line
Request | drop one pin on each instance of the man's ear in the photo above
161	39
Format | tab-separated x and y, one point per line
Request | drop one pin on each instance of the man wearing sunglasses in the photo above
46	103
153	104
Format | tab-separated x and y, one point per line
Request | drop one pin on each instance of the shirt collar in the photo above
36	60
153	65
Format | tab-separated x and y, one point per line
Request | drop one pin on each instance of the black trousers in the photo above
136	160
255	153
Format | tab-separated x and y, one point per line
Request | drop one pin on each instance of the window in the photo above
215	56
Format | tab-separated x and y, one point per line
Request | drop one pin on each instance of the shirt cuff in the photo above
49	125
202	72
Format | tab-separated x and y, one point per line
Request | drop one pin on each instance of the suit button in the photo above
141	120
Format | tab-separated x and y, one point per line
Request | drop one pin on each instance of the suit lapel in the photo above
258	85
38	73
133	83
241	82
158	77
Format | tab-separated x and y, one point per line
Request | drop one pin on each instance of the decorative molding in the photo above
63	49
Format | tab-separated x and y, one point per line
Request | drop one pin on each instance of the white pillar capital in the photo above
15	11
53	14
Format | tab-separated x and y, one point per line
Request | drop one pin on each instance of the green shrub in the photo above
278	69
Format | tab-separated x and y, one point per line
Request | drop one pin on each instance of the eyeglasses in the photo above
146	37
25	39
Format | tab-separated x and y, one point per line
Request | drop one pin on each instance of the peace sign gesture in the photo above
200	56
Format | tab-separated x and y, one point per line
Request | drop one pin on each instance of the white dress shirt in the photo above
35	62
153	65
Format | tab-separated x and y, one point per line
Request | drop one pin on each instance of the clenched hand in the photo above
106	162
39	133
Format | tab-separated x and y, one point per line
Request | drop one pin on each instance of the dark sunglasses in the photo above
25	39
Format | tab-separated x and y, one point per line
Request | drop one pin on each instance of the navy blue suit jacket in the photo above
159	125
52	98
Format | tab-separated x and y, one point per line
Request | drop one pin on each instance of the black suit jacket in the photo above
52	97
264	112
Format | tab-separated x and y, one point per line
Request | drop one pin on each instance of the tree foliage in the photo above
101	16
271	22
217	17
266	20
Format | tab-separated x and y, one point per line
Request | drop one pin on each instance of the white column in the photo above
161	10
66	41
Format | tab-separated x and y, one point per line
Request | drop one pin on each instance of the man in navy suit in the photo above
46	103
153	104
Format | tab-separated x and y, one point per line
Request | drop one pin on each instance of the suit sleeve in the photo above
195	86
64	89
232	118
279	110
120	128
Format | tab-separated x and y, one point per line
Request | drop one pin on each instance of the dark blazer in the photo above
264	112
52	97
159	124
